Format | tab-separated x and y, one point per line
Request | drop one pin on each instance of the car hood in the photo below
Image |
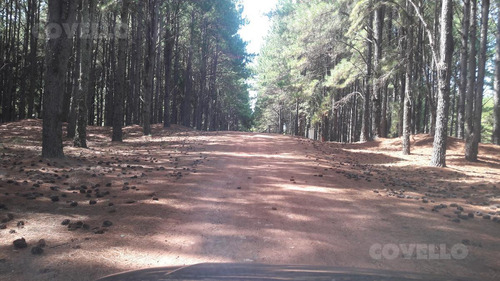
247	271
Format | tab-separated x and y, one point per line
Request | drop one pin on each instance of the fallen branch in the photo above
343	101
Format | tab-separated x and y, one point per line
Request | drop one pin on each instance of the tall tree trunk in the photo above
203	74
408	92
111	74
478	104
177	75
213	89
149	67
34	75
297	103
58	49
83	81
402	93
496	95
168	56
444	76
464	53
471	84
188	79
73	89
122	73
365	125
377	89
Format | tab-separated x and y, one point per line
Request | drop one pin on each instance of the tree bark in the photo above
58	49
80	139
203	73
122	73
168	56
496	95
471	155
444	76
75	76
365	125
464	53
149	67
471	83
376	95
408	93
188	79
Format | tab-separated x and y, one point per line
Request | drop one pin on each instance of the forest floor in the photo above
183	197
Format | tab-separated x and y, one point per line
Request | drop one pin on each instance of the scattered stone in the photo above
111	204
73	204
274	208
107	224
130	202
42	243
3	226
464	217
92	202
54	198
65	222
37	250
156	199
486	217
457	220
20	243
468	242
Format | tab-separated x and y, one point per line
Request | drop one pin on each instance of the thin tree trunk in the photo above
149	67
496	95
213	90
478	104
168	56
408	93
73	89
464	53
34	75
471	83
83	88
376	95
365	125
188	79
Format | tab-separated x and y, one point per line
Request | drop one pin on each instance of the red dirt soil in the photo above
183	197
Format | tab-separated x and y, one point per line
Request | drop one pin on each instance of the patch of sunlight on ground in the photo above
311	188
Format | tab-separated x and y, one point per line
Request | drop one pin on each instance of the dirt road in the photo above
184	198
